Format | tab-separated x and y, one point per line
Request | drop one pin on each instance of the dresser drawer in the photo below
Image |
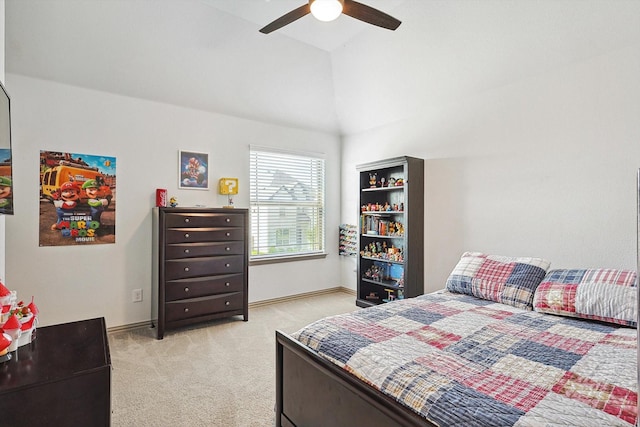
195	267
202	286
192	250
206	234
204	220
195	307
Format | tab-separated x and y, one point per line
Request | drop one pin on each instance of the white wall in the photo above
544	166
71	282
525	112
180	52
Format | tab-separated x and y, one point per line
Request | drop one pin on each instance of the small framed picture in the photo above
193	171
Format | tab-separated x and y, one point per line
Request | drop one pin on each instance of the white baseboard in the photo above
300	296
147	324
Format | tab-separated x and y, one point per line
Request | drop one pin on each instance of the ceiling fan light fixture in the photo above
326	10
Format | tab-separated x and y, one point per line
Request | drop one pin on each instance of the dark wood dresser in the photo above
200	265
63	378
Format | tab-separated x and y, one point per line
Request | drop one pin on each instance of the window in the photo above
287	205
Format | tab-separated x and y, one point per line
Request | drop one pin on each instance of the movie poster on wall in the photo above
77	199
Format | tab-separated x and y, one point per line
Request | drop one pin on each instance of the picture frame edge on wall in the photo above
189	180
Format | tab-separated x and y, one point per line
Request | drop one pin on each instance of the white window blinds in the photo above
287	204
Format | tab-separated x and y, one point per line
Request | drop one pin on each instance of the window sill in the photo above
279	259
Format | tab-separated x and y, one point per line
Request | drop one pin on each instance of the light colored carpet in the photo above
215	374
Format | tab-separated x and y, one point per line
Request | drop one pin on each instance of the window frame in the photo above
316	182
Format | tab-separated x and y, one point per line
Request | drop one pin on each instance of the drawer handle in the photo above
227	265
227	234
186	269
187	220
227	284
227	248
186	289
186	235
227	303
186	310
228	220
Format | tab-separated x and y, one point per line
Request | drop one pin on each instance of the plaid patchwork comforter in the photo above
462	361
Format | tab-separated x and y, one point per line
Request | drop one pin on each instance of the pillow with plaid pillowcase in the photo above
607	295
507	280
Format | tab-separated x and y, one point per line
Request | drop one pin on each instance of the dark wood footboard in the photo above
313	392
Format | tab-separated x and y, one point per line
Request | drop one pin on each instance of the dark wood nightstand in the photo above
63	378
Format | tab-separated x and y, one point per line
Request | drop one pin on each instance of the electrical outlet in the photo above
136	295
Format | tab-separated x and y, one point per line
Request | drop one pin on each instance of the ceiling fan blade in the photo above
370	15
287	18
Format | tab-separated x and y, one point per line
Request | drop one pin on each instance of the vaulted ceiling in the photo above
324	35
340	77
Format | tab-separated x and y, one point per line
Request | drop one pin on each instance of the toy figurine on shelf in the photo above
395	254
373	273
382	182
12	328
390	295
21	323
5	343
392	228
173	202
373	296
373	178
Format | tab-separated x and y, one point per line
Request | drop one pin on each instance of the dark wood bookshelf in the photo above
391	222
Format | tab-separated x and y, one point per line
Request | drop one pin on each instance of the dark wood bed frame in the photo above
313	392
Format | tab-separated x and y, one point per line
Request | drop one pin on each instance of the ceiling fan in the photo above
328	10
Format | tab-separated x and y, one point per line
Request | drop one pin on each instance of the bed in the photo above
508	342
